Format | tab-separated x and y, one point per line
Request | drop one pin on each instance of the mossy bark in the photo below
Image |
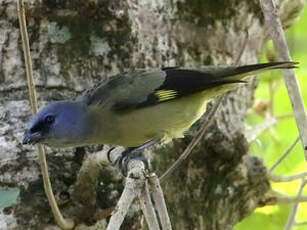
75	44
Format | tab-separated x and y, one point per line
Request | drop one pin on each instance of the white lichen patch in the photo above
3	37
99	46
218	190
58	34
55	81
7	221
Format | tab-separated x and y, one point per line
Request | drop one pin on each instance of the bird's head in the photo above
61	124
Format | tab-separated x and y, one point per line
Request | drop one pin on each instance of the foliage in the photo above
275	141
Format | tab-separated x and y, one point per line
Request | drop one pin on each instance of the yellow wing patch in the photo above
164	95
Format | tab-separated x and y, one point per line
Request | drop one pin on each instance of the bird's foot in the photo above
132	154
128	156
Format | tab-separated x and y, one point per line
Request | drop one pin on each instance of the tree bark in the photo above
75	44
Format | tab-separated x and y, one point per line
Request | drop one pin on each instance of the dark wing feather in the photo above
124	90
178	83
150	87
146	88
185	81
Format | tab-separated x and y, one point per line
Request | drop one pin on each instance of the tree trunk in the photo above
75	44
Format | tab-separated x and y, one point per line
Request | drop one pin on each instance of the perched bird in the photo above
134	109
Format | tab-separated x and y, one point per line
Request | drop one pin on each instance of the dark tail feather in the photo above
242	71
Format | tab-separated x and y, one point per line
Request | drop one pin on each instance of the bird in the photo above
136	109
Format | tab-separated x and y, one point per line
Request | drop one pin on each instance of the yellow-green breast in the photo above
166	120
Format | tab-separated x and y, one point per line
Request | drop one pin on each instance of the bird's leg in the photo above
134	153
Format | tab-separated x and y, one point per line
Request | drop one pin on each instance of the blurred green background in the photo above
275	141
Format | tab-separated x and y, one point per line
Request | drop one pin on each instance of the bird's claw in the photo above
126	157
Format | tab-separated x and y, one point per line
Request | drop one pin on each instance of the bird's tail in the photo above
228	78
241	72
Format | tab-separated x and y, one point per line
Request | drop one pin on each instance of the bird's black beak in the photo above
31	138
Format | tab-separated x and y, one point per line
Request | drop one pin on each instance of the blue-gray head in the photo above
61	124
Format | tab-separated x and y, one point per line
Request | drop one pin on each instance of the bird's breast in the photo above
163	121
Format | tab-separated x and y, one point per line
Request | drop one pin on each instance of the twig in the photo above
290	200
301	223
275	27
252	133
275	197
130	192
159	201
237	60
205	125
285	154
271	101
148	209
194	141
133	187
284	116
291	219
277	178
63	223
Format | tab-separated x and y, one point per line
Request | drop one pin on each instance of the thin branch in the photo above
133	188
27	55
135	168
301	223
291	219
237	61
277	178
63	223
130	192
158	197
283	156
290	200
271	101
251	134
284	116
275	197
275	28
136	186
205	125
148	209
195	140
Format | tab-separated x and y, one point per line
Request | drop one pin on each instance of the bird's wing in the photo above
149	87
125	89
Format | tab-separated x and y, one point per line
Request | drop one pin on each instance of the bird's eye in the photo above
49	119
